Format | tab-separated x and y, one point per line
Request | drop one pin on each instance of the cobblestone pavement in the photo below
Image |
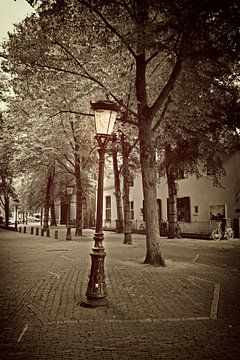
188	310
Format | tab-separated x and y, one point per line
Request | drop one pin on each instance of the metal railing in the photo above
194	228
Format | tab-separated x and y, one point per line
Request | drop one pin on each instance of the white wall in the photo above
201	191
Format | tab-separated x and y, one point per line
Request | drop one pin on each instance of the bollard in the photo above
42	232
20	229
24	229
31	230
56	234
37	231
48	232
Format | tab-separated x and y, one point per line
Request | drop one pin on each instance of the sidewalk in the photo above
188	310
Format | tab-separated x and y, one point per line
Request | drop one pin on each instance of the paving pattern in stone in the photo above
188	310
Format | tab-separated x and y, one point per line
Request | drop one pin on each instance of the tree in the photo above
125	166
182	31
48	133
48	194
199	136
6	170
117	186
123	210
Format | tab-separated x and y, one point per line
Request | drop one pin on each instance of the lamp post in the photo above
69	194
16	203
105	116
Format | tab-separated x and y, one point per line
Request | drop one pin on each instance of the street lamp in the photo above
16	203
105	115
69	194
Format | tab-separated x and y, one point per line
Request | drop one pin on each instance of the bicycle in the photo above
218	234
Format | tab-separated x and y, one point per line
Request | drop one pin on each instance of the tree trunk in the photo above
79	193
118	195
53	215
172	209
147	160
79	208
147	148
126	202
6	209
41	217
45	217
6	201
48	197
23	216
172	195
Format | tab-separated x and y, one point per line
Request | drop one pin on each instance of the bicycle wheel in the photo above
229	234
216	234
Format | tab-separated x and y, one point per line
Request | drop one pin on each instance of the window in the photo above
180	174
217	212
159	206
132	210
108	208
183	209
196	209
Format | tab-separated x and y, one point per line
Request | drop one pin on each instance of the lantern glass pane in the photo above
105	120
101	119
112	119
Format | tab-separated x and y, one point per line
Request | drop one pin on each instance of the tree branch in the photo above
65	132
151	57
162	114
65	167
69	161
60	69
73	132
71	112
125	119
167	88
109	26
133	145
84	163
1	201
87	74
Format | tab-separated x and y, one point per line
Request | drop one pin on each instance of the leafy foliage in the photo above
157	48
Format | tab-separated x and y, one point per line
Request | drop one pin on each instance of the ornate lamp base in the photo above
92	303
96	292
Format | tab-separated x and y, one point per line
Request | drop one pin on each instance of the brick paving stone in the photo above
153	313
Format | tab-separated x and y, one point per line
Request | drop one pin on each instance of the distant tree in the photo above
6	171
117	186
48	131
122	171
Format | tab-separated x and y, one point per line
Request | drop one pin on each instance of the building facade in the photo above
200	205
67	207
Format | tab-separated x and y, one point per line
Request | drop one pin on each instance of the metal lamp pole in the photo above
69	194
96	294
